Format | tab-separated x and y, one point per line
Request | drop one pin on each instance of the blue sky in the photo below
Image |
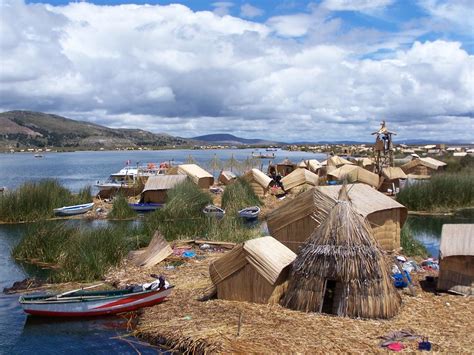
195	67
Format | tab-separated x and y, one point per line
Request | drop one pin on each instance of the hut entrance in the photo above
332	293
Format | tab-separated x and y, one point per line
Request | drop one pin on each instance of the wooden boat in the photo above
249	212
39	156
145	207
80	303
213	211
73	210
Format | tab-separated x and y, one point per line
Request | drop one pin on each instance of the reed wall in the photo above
456	271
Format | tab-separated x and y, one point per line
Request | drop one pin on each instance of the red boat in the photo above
81	303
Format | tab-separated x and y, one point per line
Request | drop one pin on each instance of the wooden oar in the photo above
73	291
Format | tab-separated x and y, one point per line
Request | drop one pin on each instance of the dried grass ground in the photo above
186	324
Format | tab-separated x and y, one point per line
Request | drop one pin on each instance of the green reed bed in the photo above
78	254
121	209
411	246
442	192
239	195
182	218
36	200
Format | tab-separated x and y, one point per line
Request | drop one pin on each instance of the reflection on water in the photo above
20	334
427	229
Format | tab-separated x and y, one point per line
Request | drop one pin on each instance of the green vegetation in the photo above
411	246
182	218
121	209
239	195
456	164
36	200
442	192
78	254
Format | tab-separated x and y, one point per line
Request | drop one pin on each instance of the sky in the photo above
281	70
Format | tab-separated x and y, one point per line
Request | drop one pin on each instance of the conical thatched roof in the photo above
286	162
341	270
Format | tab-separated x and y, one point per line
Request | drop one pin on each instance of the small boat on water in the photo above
263	156
73	210
39	156
80	303
145	207
213	211
249	213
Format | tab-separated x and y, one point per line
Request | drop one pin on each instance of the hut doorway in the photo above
331	296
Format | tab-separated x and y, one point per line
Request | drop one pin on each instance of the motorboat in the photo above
145	207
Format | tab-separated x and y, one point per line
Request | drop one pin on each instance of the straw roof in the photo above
457	239
337	161
311	164
299	177
393	173
195	172
365	161
354	173
163	182
286	162
428	162
343	251
266	255
259	177
318	201
157	251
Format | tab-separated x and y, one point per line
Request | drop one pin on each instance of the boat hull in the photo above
99	307
145	207
72	211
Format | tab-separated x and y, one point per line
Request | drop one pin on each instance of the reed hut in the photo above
259	182
337	161
391	179
423	167
252	271
157	186
354	173
312	165
285	167
300	179
198	175
294	221
366	163
227	177
340	269
456	259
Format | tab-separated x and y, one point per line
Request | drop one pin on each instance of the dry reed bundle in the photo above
342	251
157	251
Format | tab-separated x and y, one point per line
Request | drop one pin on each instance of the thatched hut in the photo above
391	179
300	179
294	221
311	164
198	175
366	163
456	258
423	166
227	177
157	186
337	161
252	271
354	173
259	182
340	270
285	167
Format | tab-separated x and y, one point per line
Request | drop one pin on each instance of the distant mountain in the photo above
222	138
36	129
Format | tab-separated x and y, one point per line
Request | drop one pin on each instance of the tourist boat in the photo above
73	210
145	207
80	303
249	213
263	156
129	180
213	211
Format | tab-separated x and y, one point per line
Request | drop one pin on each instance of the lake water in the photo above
25	335
78	169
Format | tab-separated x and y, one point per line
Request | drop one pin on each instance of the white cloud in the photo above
355	5
448	13
167	68
222	8
249	11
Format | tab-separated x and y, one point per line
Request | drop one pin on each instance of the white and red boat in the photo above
80	303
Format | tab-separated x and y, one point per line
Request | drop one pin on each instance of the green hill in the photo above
36	130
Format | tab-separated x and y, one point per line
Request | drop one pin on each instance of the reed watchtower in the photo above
383	148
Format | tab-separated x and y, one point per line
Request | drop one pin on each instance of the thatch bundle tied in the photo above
341	270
